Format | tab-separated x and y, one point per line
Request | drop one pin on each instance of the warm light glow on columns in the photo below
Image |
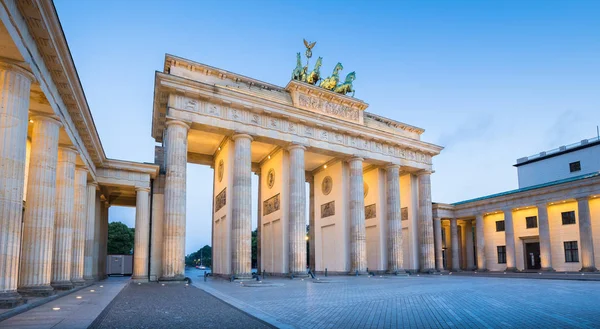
469	245
481	266
358	236
79	226
241	207
586	239
509	233
426	244
15	85
394	220
40	212
437	233
62	259
90	229
544	232
142	235
454	244
311	222
176	142
297	210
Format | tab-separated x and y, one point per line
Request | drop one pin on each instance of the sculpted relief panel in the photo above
271	205
323	106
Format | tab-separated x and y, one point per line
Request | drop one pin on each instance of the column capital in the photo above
81	168
11	65
92	183
176	122
46	117
237	136
106	204
424	172
392	166
296	146
142	189
355	158
583	198
437	218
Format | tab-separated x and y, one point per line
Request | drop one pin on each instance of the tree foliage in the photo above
120	239
201	257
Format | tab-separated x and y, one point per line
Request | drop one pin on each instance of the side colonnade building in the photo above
56	183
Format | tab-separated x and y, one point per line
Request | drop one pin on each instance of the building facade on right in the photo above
551	223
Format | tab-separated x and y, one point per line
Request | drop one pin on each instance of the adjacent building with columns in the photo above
551	223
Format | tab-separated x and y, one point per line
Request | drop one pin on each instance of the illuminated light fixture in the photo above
30	121
269	157
92	290
162	284
78	297
56	308
325	166
219	148
101	286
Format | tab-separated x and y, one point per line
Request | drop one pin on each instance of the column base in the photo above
428	270
396	272
139	279
179	277
456	270
588	269
36	291
472	268
358	272
10	300
511	269
78	282
482	270
547	269
62	285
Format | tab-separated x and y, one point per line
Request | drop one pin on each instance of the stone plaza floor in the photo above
425	301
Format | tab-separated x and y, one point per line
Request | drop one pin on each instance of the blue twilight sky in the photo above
491	81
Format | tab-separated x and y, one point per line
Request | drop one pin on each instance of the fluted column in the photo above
509	233
544	230
241	207
142	235
469	245
40	212
297	210
311	223
358	236
15	85
62	256
258	227
90	232
586	239
79	226
454	243
426	244
437	233
394	220
481	263
175	192
103	245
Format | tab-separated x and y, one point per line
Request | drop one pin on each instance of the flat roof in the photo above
558	151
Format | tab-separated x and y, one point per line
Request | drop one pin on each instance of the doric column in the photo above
40	211
241	207
297	210
358	237
142	235
586	239
544	230
15	85
79	226
454	243
62	256
509	233
97	236
175	193
394	220
437	233
311	222
103	245
469	245
426	244
481	266
90	228
258	227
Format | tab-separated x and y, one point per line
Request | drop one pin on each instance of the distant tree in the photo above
201	257
254	248
120	239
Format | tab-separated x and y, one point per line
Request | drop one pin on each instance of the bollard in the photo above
264	272
356	273
292	277
205	276
326	272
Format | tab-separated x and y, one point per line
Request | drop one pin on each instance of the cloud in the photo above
562	131
472	129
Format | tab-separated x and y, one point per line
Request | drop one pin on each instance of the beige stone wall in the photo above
332	233
410	239
158	206
595	217
560	233
275	226
376	227
222	217
492	240
523	234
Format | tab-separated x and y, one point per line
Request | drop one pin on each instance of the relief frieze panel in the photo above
271	205
328	209
320	105
370	211
220	200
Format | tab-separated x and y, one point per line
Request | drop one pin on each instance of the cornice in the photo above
144	168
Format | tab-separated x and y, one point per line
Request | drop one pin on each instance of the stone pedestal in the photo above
426	244
90	231
62	259
545	245
509	233
454	243
394	220
79	226
469	245
481	263
358	236
586	239
241	208
40	213
15	85
297	211
175	194
142	236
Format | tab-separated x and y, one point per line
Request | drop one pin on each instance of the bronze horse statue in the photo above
346	87
297	73
315	74
331	82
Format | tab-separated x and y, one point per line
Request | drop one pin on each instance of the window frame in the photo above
570	221
503	226
528	218
571	254
575	166
501	254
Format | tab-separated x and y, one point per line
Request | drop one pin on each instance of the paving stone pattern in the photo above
426	301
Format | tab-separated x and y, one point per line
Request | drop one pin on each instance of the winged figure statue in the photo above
309	46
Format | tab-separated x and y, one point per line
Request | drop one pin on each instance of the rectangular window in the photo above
575	166
531	221
500	226
568	217
501	254
571	252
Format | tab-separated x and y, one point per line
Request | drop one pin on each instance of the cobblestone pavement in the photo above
152	305
426	301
